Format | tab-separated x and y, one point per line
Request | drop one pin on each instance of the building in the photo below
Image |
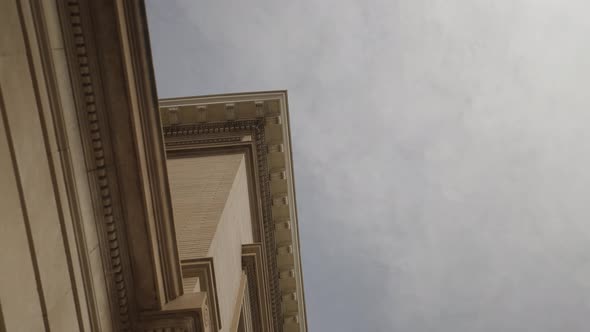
122	212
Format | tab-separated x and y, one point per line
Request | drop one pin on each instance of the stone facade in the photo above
256	125
52	270
125	213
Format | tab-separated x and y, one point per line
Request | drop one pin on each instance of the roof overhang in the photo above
259	123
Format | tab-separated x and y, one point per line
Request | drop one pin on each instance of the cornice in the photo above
177	145
96	142
193	118
110	68
139	73
108	55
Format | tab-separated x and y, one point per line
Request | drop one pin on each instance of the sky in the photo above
441	150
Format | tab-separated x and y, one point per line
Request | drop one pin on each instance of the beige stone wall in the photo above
51	275
234	229
200	188
212	216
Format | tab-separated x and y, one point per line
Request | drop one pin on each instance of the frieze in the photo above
91	118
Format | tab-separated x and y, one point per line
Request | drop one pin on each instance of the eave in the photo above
178	115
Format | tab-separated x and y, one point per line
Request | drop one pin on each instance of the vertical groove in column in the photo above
79	46
43	124
67	165
24	211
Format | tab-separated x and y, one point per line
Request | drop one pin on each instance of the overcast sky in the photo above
441	150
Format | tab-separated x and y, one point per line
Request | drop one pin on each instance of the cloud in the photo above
441	150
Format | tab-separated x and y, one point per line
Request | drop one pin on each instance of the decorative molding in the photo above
139	73
184	130
245	323
249	267
112	81
254	265
96	147
177	138
265	115
203	270
238	312
109	60
220	140
186	313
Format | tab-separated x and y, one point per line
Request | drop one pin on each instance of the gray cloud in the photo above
441	150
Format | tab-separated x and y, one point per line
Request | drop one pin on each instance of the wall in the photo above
212	217
226	248
51	275
200	188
